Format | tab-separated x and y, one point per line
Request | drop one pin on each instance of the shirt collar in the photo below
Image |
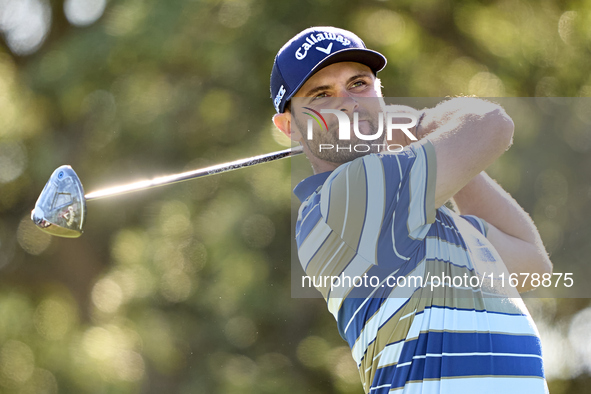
305	188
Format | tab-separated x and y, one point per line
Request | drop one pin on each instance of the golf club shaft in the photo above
185	176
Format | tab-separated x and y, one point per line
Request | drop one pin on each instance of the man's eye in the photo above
359	83
320	95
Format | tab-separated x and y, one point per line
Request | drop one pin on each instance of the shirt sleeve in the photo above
382	195
479	223
412	200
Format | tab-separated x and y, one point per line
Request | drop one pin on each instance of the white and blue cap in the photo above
310	51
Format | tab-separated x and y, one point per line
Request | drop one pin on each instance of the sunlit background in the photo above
187	289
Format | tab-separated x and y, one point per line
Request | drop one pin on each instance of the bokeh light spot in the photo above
54	318
240	332
84	12
42	382
143	96
135	282
578	336
107	295
566	26
13	161
234	14
95	342
383	27
313	351
175	286
17	362
343	368
129	366
258	231
16	312
125	18
30	238
128	247
216	108
485	84
25	24
105	343
241	371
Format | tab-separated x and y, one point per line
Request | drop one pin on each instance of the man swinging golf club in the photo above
437	314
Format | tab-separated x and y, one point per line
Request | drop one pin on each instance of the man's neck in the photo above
323	166
318	165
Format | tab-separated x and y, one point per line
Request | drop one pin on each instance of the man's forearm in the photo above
511	229
485	198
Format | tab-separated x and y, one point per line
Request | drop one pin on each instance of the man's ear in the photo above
283	122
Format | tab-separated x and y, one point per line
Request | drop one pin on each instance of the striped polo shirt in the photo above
374	219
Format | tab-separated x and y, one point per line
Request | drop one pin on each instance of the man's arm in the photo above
468	135
460	130
511	230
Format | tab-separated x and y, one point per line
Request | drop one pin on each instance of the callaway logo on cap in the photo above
311	50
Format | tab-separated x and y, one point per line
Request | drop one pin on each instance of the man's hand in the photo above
404	109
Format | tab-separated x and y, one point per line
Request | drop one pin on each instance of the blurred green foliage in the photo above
187	289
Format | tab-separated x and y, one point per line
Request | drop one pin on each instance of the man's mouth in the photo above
363	126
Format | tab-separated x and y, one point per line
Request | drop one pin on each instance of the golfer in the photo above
420	292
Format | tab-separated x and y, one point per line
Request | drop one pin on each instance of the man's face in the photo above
348	87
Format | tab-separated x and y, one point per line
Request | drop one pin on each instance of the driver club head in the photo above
61	207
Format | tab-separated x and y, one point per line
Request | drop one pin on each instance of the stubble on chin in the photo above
329	148
326	146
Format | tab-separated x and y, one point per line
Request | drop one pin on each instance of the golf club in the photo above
61	207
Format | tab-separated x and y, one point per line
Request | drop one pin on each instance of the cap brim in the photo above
372	59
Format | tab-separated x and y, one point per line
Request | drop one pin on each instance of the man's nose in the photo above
346	102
